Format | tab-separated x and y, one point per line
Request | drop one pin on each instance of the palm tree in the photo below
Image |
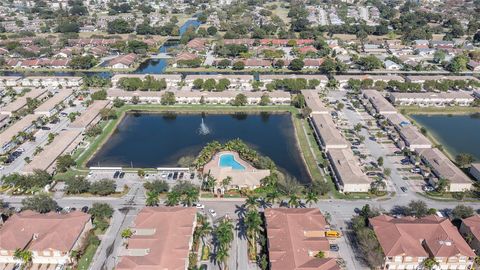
226	182
152	198
221	257
203	230
24	255
190	197
210	183
224	233
253	221
252	202
272	196
173	198
293	201
311	197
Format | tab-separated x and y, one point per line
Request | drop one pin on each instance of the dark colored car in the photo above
121	175
404	189
175	175
334	247
116	174
85	209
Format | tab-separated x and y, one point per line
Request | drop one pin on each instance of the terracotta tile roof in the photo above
186	56
473	223
42	231
294	238
127	59
422	237
162	239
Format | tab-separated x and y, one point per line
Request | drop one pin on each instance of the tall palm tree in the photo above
293	201
253	222
221	257
224	233
173	198
311	197
252	202
203	230
152	198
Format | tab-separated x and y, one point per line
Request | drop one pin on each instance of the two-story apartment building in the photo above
295	236
50	237
162	239
407	242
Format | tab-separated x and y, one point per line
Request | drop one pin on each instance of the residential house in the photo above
123	61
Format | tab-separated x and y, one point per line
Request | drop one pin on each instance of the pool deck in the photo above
248	178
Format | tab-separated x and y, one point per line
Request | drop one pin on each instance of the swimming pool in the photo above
228	160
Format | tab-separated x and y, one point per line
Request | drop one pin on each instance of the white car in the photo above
21	150
212	212
200	206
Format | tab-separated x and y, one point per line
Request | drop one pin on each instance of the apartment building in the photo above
162	239
295	236
407	242
50	237
429	99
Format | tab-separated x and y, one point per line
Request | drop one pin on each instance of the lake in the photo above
457	133
150	140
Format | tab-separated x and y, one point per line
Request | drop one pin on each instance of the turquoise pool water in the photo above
228	160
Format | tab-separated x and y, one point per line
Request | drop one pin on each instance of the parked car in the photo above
45	128
170	175
180	176
212	212
121	175
334	247
116	174
404	189
164	175
175	175
192	175
416	170
199	206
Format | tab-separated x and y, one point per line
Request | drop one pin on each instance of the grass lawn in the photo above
438	110
86	259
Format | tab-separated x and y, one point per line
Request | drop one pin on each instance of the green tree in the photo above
25	256
239	65
41	203
311	197
464	160
157	186
240	100
173	198
370	62
77	185
119	26
64	163
293	201
103	187
152	198
462	211
296	64
101	211
168	98
458	63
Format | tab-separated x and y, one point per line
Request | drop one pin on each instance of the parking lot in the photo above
128	177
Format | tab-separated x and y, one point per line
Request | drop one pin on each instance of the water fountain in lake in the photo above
203	130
